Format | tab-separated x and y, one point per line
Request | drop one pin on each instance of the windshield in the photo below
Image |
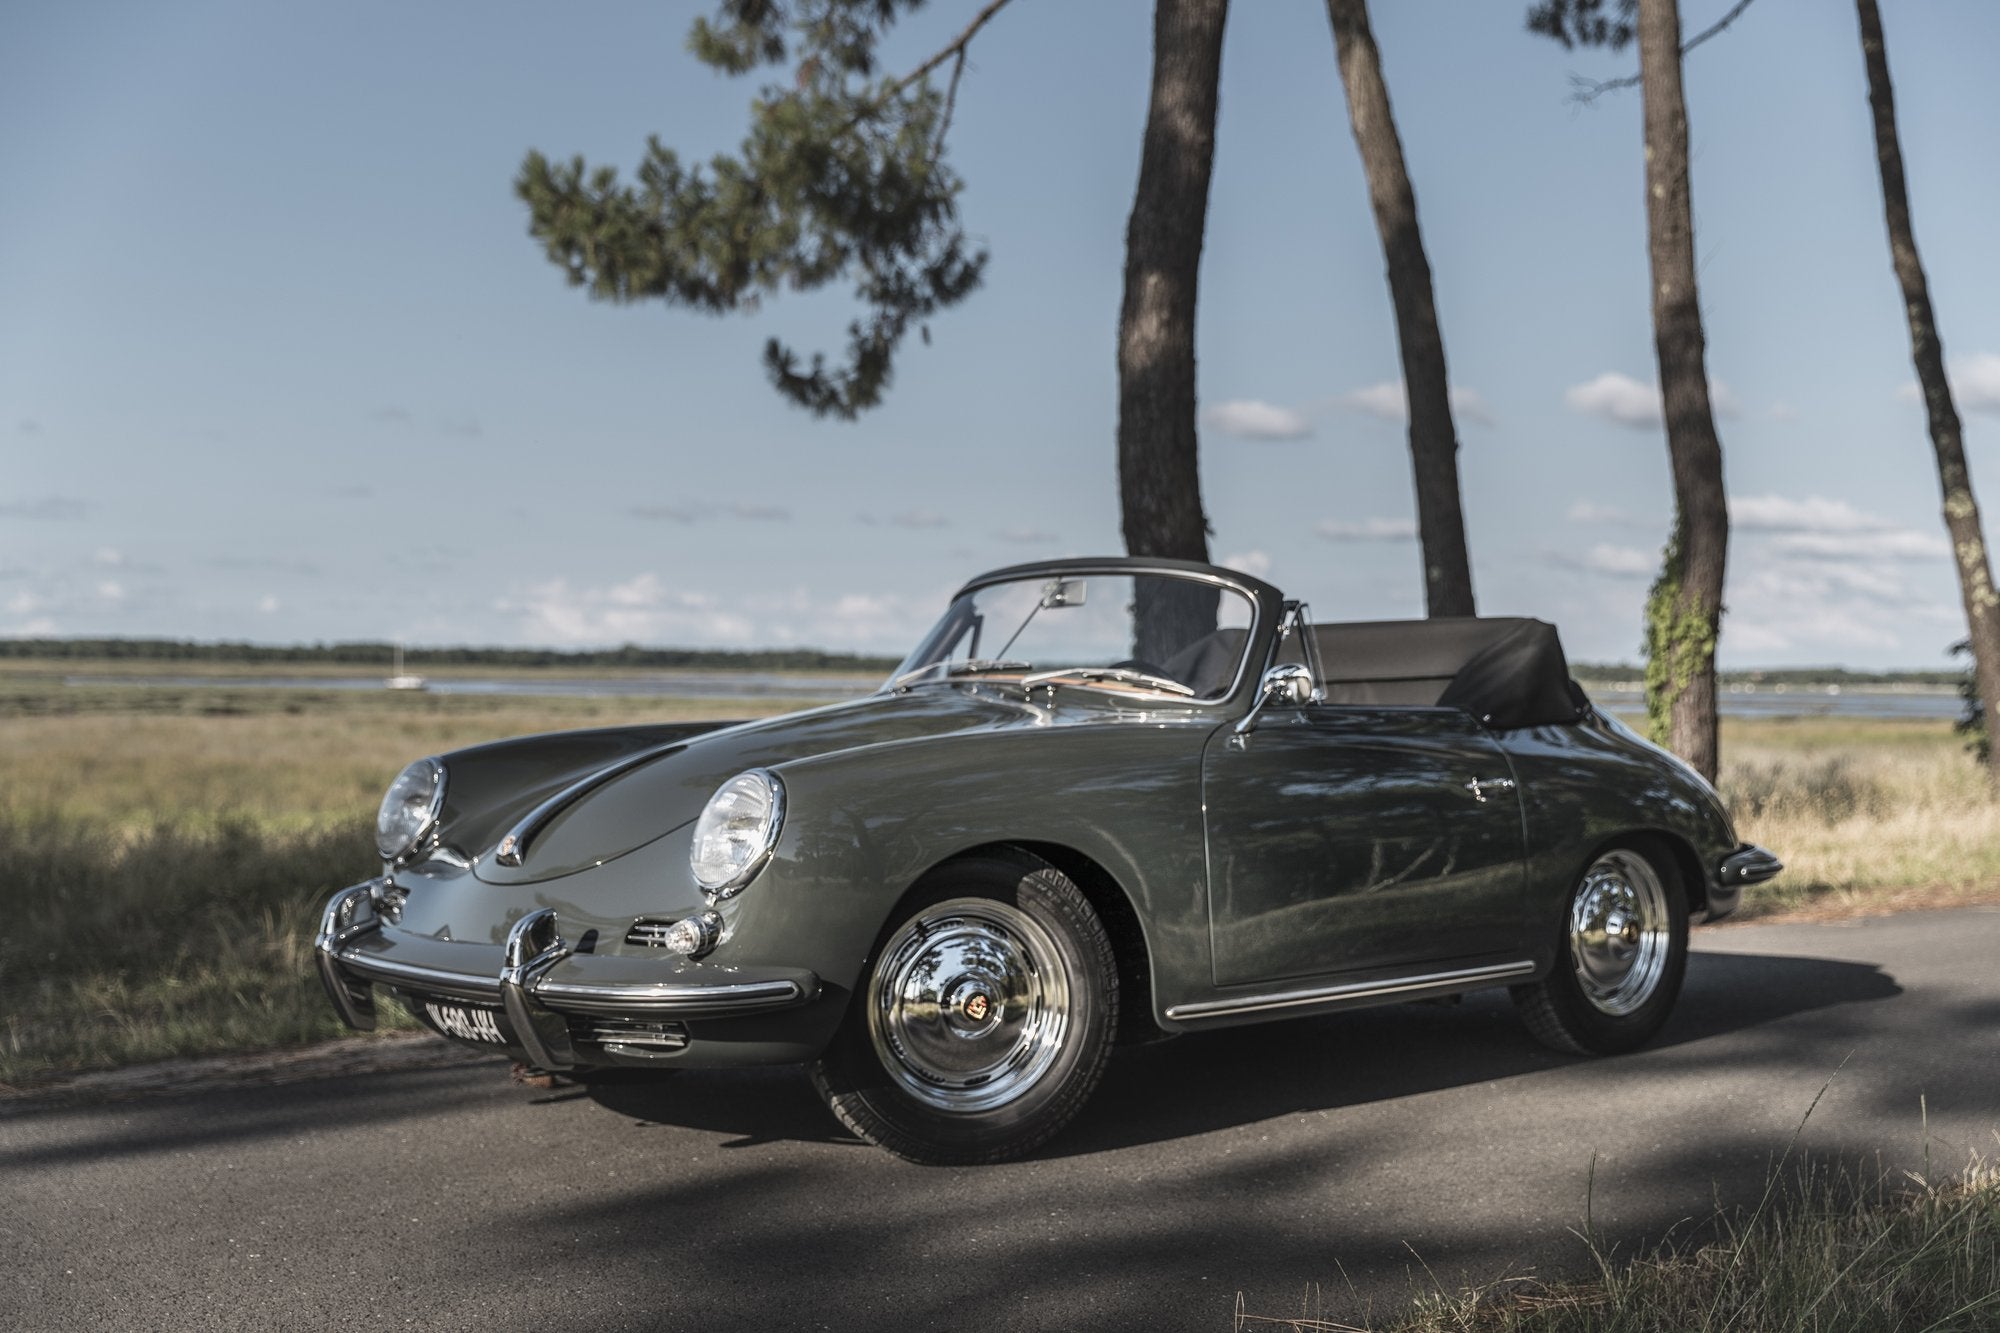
1143	633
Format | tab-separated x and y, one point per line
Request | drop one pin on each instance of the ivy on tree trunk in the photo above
1961	511
1684	613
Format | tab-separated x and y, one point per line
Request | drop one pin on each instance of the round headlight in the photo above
410	809
736	832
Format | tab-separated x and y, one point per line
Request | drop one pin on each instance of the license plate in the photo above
465	1024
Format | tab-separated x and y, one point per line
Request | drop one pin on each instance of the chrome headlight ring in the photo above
737	832
408	817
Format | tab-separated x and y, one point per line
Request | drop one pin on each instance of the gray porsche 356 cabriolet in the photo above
1102	800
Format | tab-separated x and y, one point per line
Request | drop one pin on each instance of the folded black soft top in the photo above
1507	671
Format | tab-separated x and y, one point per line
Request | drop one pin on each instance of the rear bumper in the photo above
1746	865
562	1008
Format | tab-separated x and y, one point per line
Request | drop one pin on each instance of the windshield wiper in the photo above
1085	674
975	666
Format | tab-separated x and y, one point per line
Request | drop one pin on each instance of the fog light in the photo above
693	936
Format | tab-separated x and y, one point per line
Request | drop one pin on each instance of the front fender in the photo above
861	829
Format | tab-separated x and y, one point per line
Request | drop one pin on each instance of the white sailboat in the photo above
403	680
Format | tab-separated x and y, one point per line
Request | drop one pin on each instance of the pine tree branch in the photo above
1585	91
950	105
955	47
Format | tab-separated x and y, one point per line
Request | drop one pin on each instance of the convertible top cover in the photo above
1507	671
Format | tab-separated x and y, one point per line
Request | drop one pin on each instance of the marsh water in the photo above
1762	701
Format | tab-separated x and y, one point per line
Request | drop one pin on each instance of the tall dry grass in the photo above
1864	813
1819	1256
164	853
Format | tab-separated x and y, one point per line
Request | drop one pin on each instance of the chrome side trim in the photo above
514	847
430	978
675	998
666	998
1464	979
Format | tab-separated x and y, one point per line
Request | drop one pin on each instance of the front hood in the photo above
670	790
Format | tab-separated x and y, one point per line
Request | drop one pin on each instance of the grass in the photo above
1823	1256
164	849
1868	814
164	852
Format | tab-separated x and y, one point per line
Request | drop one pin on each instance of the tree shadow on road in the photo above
1209	1081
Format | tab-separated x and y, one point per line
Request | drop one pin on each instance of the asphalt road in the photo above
1357	1154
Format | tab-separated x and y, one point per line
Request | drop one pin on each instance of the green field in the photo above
164	849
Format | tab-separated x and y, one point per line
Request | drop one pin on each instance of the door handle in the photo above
1480	786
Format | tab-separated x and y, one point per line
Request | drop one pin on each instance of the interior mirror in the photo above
1287	685
1058	593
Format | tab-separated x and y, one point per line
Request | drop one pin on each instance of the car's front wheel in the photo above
984	1019
1621	953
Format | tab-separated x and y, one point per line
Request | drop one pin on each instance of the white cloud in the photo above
268	604
1974	380
665	513
1255	563
1368	529
1624	401
1620	561
1589	511
1816	528
1782	411
1388	401
647	609
1618	398
1470	405
1778	513
1894	544
1385	400
111	590
24	604
1252	419
48	509
108	557
697	511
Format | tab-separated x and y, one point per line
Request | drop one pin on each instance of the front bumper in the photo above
1747	865
564	1007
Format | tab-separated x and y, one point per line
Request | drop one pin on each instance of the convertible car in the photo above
1103	800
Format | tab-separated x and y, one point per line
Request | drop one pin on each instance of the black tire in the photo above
983	1019
1611	989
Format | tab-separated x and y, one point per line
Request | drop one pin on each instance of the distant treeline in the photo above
384	655
1604	673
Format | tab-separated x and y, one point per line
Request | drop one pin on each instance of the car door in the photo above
1346	838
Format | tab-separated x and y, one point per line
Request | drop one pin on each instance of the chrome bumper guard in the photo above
537	1005
1746	865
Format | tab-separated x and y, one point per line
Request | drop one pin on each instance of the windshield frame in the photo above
1263	598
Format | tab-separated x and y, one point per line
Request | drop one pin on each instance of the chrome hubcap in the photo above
1618	932
969	1006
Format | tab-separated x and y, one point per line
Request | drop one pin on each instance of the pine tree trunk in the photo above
1159	481
1686	616
1961	512
1433	436
1159	473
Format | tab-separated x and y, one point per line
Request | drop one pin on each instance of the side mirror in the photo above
1287	684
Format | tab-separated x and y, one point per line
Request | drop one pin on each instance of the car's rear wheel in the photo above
1620	957
982	1022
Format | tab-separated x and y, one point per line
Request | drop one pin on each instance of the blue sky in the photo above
279	362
